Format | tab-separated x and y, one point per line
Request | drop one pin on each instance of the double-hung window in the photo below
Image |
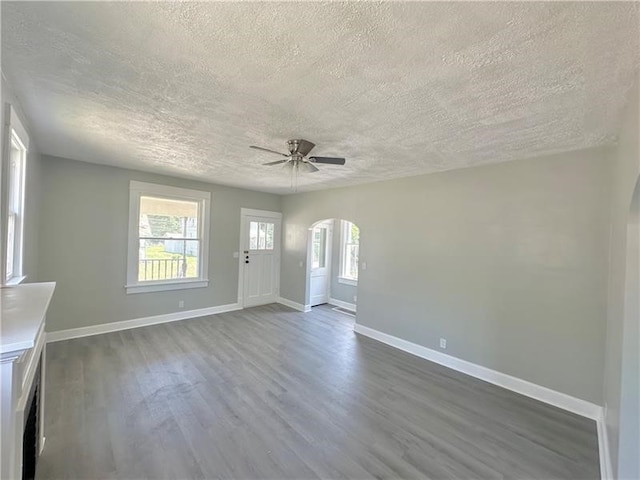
15	185
168	238
350	245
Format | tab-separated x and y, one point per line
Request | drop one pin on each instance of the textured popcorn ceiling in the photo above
399	89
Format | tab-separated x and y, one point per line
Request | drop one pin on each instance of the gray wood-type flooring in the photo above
269	392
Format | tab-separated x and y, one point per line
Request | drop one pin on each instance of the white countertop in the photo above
22	311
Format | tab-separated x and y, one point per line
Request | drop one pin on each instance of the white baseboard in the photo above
340	303
138	322
606	469
295	305
544	394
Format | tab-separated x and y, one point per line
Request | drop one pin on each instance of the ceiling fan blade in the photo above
307	167
330	160
267	150
305	147
277	162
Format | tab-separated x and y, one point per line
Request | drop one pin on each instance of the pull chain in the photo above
294	177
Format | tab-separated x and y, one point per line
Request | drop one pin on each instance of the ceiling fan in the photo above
297	159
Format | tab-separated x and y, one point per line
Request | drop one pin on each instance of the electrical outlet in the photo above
301	264
181	304
355	298
364	265
443	343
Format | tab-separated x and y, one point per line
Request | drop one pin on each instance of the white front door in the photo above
260	257
319	274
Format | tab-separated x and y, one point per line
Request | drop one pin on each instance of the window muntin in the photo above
350	248
168	233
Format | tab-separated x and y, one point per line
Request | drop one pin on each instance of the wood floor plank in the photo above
269	392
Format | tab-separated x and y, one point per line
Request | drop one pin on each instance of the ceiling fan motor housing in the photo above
293	145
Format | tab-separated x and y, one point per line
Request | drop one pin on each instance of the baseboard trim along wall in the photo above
295	305
523	387
606	469
138	322
340	303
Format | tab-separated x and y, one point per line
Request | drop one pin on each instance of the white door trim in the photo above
251	212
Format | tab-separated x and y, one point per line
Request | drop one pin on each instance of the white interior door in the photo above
319	272
260	258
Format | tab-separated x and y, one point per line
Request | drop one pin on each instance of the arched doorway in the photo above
332	264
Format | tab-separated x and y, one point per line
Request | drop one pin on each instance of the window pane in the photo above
164	217
168	259
350	239
15	161
11	229
15	206
253	235
269	236
262	235
354	234
351	261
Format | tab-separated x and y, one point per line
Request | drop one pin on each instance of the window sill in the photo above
164	286
15	281
348	281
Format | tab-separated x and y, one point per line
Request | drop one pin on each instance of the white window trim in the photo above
15	280
343	251
138	189
13	126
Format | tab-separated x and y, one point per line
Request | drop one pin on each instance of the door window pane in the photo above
269	244
261	235
319	251
253	235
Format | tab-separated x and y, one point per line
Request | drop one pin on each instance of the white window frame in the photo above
139	189
15	134
344	236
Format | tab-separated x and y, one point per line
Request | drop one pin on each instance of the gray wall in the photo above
508	262
623	343
339	291
32	189
83	245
